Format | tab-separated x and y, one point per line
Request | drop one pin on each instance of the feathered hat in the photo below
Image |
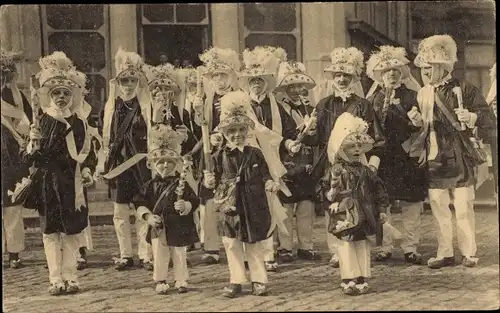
57	70
388	57
349	61
8	61
260	62
163	75
163	142
290	73
348	129
234	108
437	49
216	60
128	64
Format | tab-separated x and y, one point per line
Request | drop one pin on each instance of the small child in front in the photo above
241	178
167	206
359	201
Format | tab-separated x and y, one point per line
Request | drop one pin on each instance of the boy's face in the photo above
128	86
236	134
342	80
353	151
61	96
191	87
391	77
257	85
220	80
294	91
165	167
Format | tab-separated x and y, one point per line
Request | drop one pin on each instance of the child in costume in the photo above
16	118
60	143
167	204
241	178
125	125
359	201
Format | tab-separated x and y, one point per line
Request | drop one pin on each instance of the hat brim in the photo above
244	81
332	69
295	79
234	121
405	72
158	154
164	82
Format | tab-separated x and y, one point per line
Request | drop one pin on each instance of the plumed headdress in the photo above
437	49
290	73
260	62
163	75
163	142
234	108
348	128
9	59
57	70
388	57
220	60
128	64
349	61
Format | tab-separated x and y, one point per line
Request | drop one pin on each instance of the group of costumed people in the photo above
231	155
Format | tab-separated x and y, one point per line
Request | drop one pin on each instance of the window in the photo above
183	30
80	31
273	24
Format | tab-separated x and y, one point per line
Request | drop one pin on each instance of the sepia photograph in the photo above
244	157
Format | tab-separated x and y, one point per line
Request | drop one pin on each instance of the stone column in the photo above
122	29
225	28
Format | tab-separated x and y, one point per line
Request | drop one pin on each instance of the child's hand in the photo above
216	139
334	207
154	220
272	186
330	194
209	180
87	178
183	207
415	117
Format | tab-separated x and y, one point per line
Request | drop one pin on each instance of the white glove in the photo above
415	117
463	115
87	178
330	194
209	180
216	139
293	146
272	186
154	220
183	207
334	207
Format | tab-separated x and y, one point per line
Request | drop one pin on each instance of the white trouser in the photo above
464	213
61	251
235	252
162	253
12	229
354	259
304	212
211	237
411	216
121	220
331	240
85	238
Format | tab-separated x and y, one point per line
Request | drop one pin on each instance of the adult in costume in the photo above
275	130
16	118
125	125
405	181
292	80
448	110
346	96
60	142
491	99
219	78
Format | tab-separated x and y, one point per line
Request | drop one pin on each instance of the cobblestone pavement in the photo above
295	287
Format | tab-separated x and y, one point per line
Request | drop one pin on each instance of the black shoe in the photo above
259	289
124	263
271	266
413	258
232	291
246	265
148	265
14	261
210	259
308	255
182	289
285	256
437	264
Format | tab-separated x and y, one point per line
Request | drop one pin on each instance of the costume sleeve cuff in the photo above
188	205
374	161
142	210
288	143
472	120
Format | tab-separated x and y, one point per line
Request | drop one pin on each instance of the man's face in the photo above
342	80
257	85
165	166
61	96
353	151
236	134
128	85
220	80
391	77
294	91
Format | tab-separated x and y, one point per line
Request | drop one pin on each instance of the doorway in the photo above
180	44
